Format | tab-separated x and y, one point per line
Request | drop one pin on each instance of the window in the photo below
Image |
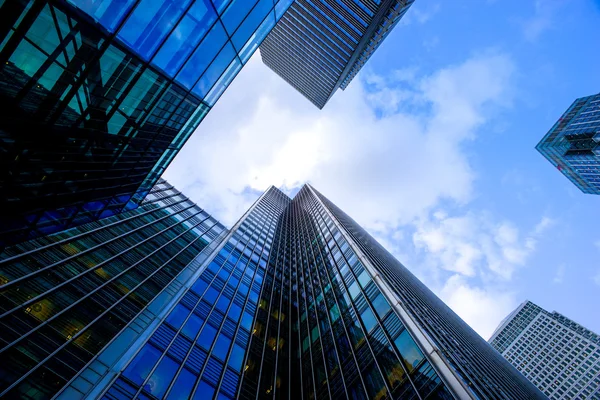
221	347
368	319
381	305
162	377
408	349
207	336
183	386
178	315
185	37
150	23
192	326
140	367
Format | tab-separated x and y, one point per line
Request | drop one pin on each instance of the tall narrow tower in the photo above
320	45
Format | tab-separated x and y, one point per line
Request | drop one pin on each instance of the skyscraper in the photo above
295	301
320	45
573	144
66	296
561	357
98	96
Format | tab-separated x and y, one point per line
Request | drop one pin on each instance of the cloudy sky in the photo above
431	148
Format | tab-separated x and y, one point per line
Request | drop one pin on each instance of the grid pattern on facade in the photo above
198	351
99	96
63	297
317	326
320	45
484	372
573	144
552	352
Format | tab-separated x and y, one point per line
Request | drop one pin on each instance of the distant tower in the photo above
320	45
573	144
559	356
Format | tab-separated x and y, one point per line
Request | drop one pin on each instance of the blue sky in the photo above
432	149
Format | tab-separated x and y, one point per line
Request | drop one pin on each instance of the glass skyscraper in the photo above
65	297
320	45
558	355
98	96
295	301
573	144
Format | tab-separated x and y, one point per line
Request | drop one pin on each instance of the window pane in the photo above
178	315
236	12
150	23
183	386
368	319
185	37
223	82
215	70
202	56
221	347
204	391
162	377
237	358
207	336
251	24
138	369
256	39
408	349
192	326
381	305
108	12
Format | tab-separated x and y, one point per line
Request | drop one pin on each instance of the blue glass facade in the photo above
573	144
295	304
320	45
98	97
66	297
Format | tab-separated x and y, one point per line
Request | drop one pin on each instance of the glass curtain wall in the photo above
64	297
99	96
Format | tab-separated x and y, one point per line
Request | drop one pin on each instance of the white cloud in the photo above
546	14
475	244
482	309
387	150
596	278
383	158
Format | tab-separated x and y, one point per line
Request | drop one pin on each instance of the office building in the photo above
98	96
561	357
320	45
295	301
573	144
66	296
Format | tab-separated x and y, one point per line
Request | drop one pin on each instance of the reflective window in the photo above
251	23
183	386
202	56
178	315
237	357
221	347
235	14
204	391
192	326
150	23
162	377
381	305
407	347
185	37
108	12
207	336
215	70
144	361
368	319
